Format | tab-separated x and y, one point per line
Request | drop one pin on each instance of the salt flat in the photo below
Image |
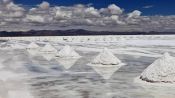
38	77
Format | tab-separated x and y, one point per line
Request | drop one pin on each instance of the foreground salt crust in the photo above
161	71
105	64
48	48
68	52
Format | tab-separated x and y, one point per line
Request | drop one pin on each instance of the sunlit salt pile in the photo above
48	48
68	52
106	63
106	57
67	57
161	71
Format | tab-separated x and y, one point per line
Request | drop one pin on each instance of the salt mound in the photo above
68	52
33	46
106	57
162	70
48	48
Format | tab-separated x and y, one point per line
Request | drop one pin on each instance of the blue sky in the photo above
153	7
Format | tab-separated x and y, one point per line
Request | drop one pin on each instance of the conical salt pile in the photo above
68	52
48	48
105	64
162	70
106	57
33	46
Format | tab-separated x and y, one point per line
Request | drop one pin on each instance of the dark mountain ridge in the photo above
74	32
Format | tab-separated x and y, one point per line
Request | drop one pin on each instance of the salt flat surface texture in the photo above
50	79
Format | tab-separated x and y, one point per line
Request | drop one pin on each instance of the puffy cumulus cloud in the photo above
11	10
134	14
92	12
38	18
61	14
134	17
14	7
34	19
115	9
79	15
111	10
113	20
44	5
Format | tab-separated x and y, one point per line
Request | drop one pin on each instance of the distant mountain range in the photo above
74	32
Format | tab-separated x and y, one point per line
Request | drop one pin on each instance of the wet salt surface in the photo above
90	84
50	79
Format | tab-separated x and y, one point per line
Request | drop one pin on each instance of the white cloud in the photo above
114	9
44	5
62	15
92	12
148	6
11	10
134	14
14	7
35	18
79	15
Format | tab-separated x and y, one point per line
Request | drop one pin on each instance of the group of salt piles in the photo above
106	63
160	71
66	57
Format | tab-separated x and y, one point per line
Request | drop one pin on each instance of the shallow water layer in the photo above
82	81
57	78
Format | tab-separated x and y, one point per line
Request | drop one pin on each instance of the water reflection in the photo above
106	71
33	52
48	56
67	62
